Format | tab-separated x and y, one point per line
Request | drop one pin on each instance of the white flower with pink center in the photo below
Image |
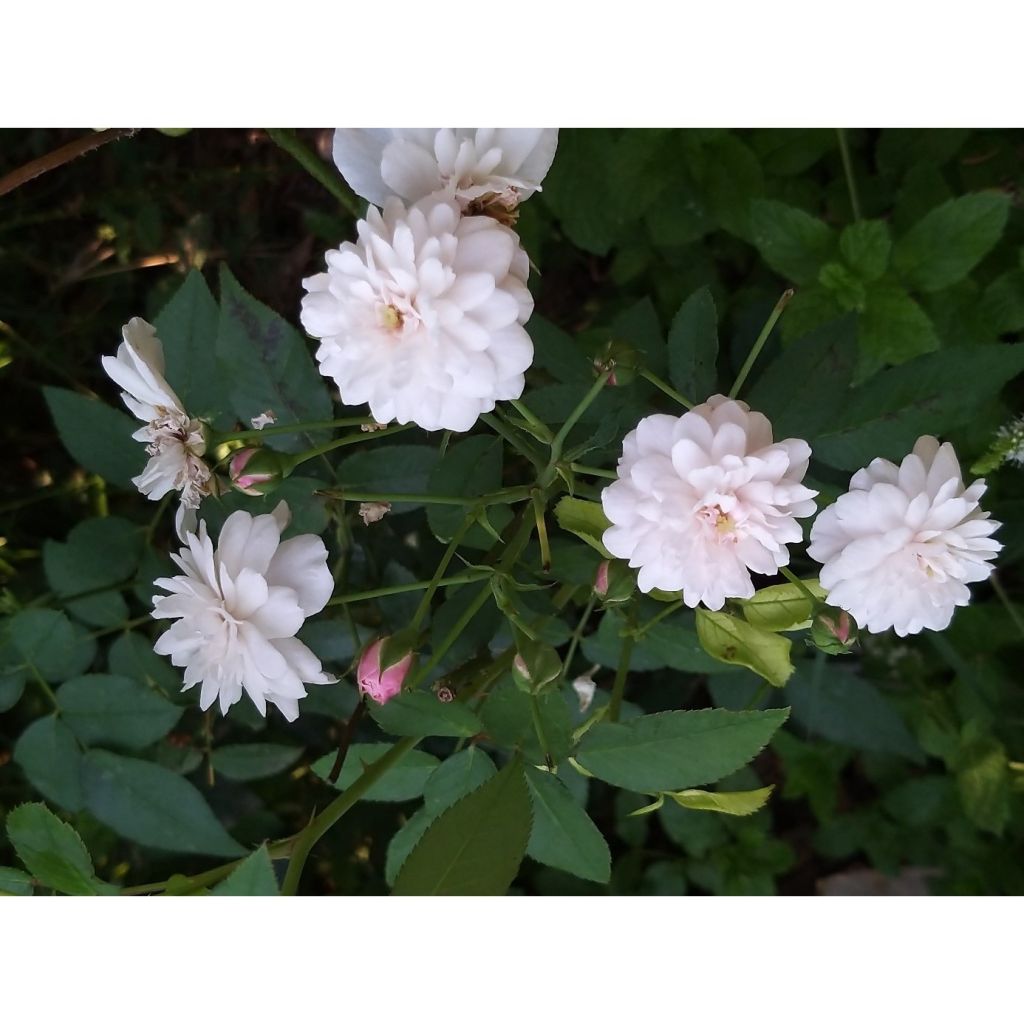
704	499
899	548
481	168
422	318
238	607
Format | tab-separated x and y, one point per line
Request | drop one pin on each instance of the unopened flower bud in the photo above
535	666
614	583
257	471
377	679
833	631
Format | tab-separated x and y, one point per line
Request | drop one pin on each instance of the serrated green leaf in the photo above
983	780
586	519
693	347
783	607
98	436
1002	304
738	642
188	327
268	366
893	327
253	877
14	882
508	720
422	714
132	655
866	246
476	846
152	805
563	836
949	241
246	762
736	803
470	467
792	242
49	641
676	750
50	758
53	851
117	710
405	781
397	468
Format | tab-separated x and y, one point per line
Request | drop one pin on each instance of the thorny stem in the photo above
292	428
342	442
512	437
316	167
405	588
607	474
506	497
760	342
60	156
577	634
442	568
346	740
559	439
663	614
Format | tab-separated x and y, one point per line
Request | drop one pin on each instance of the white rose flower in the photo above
899	548
174	440
422	317
482	168
705	498
238	609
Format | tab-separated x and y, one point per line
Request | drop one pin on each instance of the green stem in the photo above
851	182
342	442
799	583
663	614
607	474
405	588
666	388
559	439
277	851
542	531
44	686
325	820
534	422
512	437
327	176
1007	603
577	634
538	728
291	428
759	693
760	342
442	568
506	497
621	672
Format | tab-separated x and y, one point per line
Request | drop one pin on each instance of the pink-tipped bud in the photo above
833	631
614	583
256	471
379	683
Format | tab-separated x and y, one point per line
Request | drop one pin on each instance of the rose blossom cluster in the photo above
707	498
422	316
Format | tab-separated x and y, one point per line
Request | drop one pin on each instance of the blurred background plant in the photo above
899	768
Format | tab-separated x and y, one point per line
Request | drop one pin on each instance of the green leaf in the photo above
782	607
309	511
98	437
188	327
1002	304
983	780
50	758
843	707
792	242
738	642
563	836
451	781
422	714
893	327
476	846
845	287
246	762
132	655
508	719
405	781
99	553
49	641
471	467
730	177
676	749
397	468
671	643
693	347
53	851
558	353
949	241
865	246
268	366
116	709
14	882
929	395
586	519
253	877
152	805
737	804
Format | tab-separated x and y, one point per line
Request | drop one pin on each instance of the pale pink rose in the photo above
380	685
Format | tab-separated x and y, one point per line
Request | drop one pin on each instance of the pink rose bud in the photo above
833	631
256	471
381	684
614	583
601	580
